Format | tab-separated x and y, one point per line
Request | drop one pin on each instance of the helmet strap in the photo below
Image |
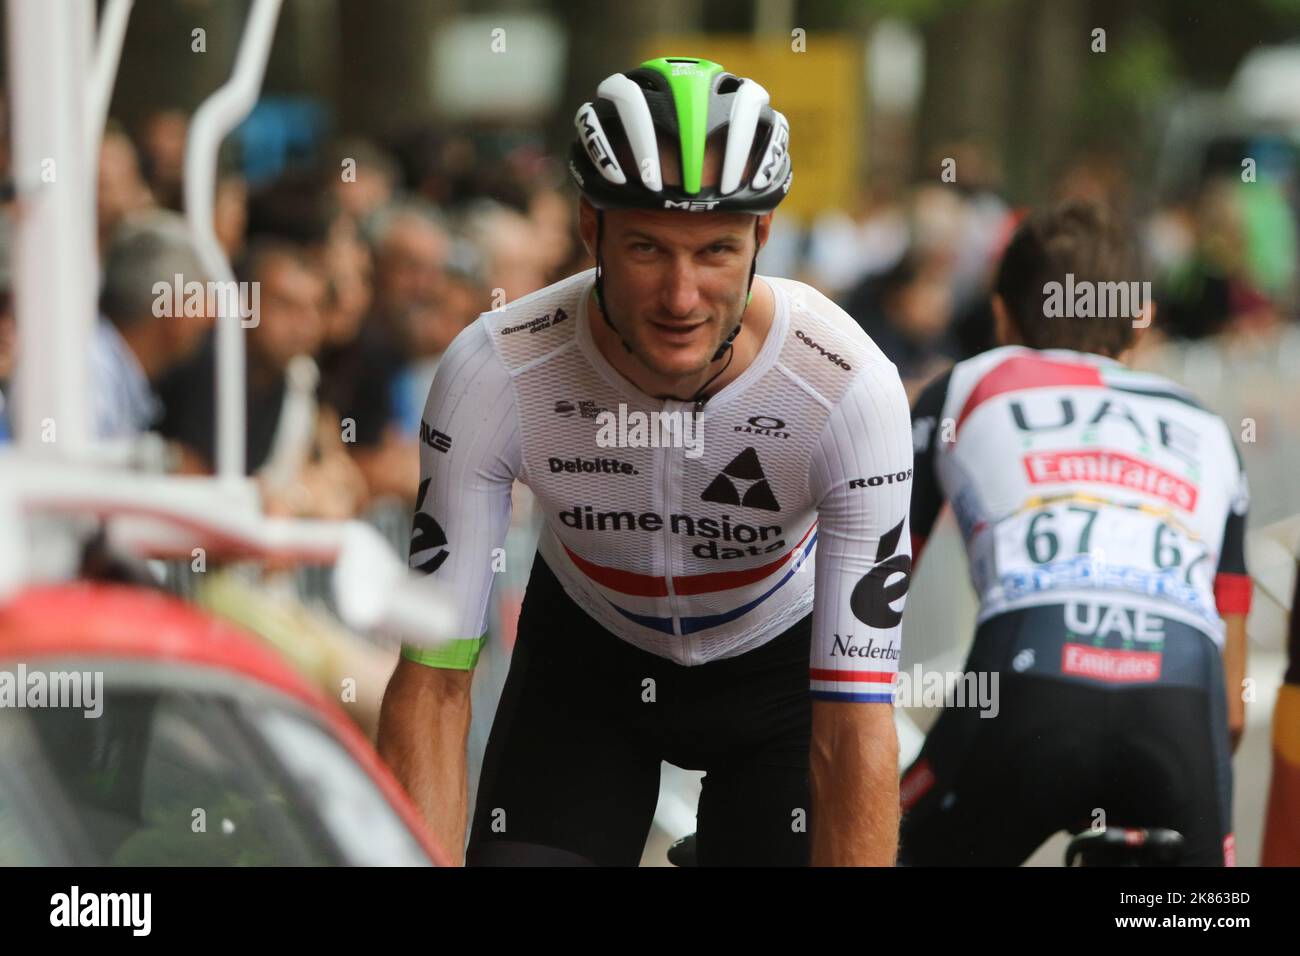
600	280
749	297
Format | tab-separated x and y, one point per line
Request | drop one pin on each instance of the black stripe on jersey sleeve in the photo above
1232	557
1176	396
927	496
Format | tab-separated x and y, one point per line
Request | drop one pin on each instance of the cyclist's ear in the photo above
587	225
1005	332
764	229
1141	326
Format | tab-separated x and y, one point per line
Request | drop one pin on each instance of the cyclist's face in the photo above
675	282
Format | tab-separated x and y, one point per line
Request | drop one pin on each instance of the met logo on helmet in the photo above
691	205
777	147
594	141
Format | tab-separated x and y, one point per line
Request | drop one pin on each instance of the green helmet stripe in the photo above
690	80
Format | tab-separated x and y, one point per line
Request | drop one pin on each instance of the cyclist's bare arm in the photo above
1234	674
1232	596
469	456
862	479
854	775
423	734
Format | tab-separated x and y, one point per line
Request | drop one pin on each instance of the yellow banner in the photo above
817	82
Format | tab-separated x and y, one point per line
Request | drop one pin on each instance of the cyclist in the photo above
690	431
1103	512
1282	823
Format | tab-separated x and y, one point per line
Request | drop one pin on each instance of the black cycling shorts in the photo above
1135	729
571	772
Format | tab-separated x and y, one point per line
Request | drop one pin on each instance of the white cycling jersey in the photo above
1075	479
688	531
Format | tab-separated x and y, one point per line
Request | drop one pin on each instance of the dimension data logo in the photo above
744	483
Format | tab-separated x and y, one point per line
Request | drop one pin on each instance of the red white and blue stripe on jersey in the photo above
858	686
647	592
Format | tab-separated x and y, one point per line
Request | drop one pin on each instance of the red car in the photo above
136	730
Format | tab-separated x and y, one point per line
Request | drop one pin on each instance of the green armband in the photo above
459	655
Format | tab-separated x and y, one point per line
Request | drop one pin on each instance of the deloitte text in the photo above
1097	300
636	429
196	300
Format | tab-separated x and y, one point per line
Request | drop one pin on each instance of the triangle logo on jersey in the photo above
743	483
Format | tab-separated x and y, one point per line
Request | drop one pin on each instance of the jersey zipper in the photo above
671	497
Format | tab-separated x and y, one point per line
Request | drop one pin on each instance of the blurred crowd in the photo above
367	264
914	265
370	258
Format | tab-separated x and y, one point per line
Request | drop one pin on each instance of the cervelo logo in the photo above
832	356
1112	666
1110	468
691	205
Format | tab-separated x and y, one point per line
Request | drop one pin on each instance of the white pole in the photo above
108	53
218	115
54	251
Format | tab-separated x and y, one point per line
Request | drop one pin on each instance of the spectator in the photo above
361	195
139	339
295	451
844	249
230	214
162	147
122	190
515	260
907	312
410	252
